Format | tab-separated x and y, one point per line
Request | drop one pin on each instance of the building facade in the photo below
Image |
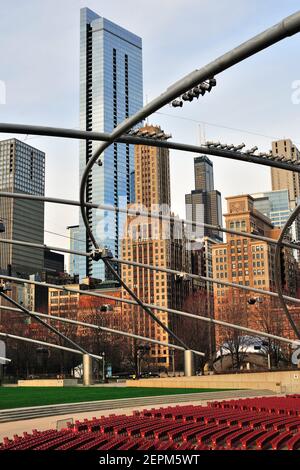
204	203
111	90
284	179
248	262
22	170
155	242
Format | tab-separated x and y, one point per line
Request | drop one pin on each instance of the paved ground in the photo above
18	427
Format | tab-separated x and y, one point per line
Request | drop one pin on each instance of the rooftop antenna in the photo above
201	134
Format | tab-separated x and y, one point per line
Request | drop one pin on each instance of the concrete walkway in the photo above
8	429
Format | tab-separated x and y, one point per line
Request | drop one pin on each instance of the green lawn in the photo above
19	397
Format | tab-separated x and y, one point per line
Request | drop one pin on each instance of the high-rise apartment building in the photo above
22	170
246	261
155	242
204	203
111	90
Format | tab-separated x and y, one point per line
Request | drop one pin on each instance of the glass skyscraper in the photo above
111	89
22	170
273	204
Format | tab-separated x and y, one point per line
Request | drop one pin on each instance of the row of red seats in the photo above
233	424
289	405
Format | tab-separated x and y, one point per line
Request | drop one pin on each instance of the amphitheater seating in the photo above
268	423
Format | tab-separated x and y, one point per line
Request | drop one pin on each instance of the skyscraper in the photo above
284	179
152	173
155	242
111	89
22	170
273	204
204	173
204	204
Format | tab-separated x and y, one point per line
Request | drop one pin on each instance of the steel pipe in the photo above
43	343
141	213
105	329
136	140
162	309
42	322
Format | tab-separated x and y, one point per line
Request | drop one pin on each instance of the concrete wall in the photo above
48	383
280	382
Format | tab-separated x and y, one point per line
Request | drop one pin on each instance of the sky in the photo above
252	102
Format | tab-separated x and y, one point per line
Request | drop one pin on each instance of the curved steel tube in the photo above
278	284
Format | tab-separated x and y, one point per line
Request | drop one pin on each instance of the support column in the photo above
87	369
189	364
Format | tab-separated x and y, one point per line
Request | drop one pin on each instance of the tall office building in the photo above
22	170
111	90
204	203
155	242
204	174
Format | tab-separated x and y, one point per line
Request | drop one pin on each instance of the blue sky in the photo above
39	50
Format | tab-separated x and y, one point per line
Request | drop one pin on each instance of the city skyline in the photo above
217	105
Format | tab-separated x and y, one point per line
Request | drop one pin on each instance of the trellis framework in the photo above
287	27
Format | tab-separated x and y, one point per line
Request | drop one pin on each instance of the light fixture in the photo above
239	147
195	92
177	103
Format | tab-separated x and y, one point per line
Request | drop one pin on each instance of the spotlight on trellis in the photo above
251	151
230	147
145	133
177	104
195	92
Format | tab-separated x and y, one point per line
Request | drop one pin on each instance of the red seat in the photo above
294	442
266	439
